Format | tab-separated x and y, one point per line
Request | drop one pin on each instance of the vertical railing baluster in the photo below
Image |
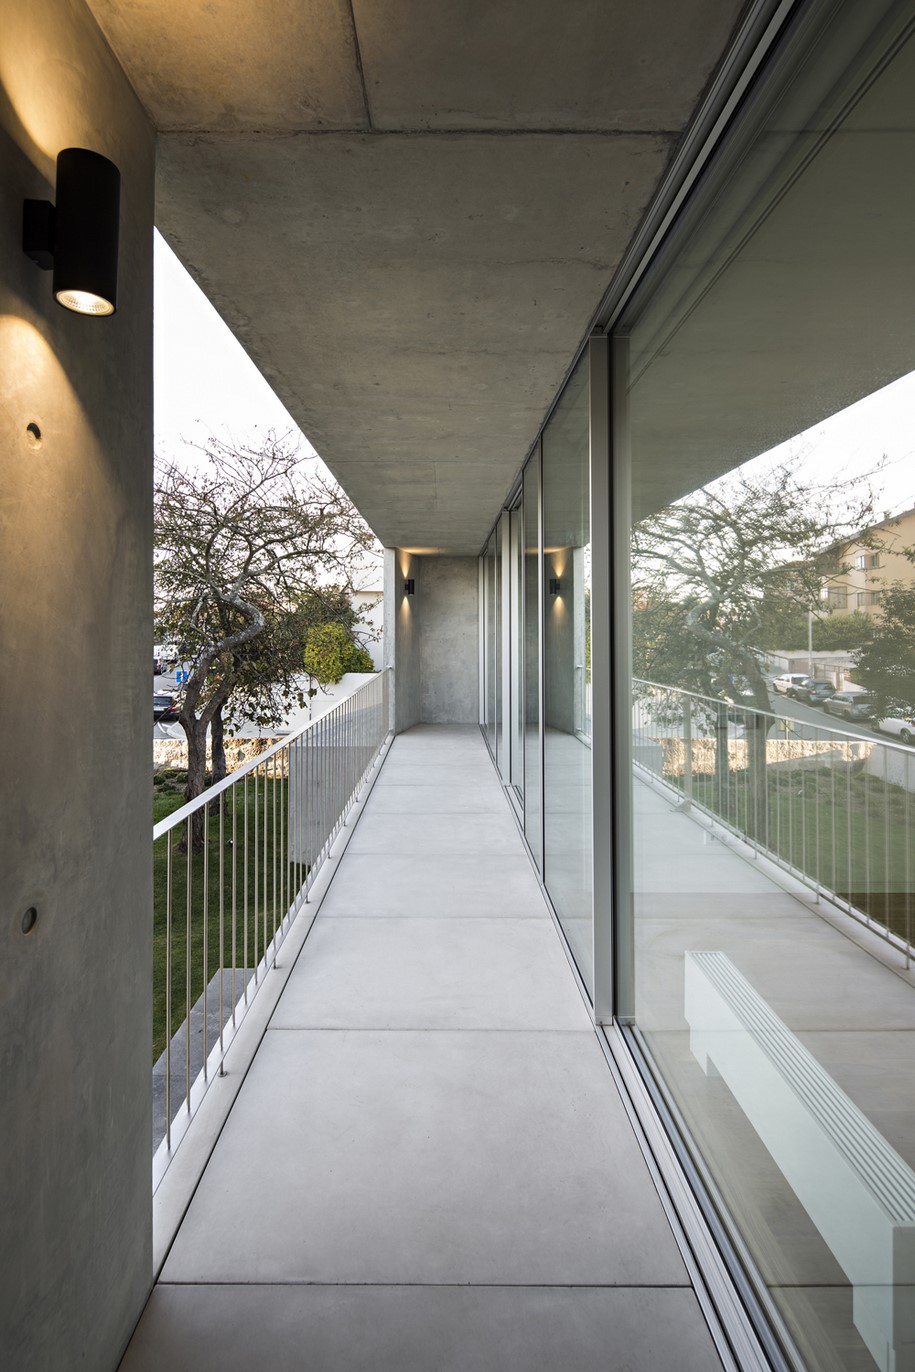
848	828
234	896
869	895
187	963
222	928
168	991
816	810
284	876
257	839
245	891
834	822
907	850
887	891
206	920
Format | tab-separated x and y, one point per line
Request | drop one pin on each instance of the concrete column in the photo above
75	634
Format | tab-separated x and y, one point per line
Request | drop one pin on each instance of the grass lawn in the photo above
268	890
854	834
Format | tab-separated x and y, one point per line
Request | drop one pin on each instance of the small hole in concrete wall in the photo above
33	435
29	919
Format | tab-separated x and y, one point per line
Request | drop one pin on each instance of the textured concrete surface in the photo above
432	638
399	1329
409	224
402	630
75	566
453	1178
450	685
529	63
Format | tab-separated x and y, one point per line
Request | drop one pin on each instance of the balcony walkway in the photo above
428	1165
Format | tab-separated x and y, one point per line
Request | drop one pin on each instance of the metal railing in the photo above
231	871
832	807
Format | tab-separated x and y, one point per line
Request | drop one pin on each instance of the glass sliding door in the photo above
515	767
532	617
491	643
566	573
771	364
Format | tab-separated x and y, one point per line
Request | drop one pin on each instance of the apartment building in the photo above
875	562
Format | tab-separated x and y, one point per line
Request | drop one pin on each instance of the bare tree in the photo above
241	542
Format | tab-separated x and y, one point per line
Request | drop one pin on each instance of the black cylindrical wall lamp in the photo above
409	586
79	237
555	585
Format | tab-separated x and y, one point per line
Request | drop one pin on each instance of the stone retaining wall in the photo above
172	752
787	752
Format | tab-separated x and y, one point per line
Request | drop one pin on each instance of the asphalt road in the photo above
817	718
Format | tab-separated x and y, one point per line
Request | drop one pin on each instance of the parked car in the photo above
784	683
900	726
165	707
797	686
814	692
849	705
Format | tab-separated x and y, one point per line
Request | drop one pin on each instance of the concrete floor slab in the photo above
470	836
444	775
441	887
426	974
413	1329
471	798
427	1157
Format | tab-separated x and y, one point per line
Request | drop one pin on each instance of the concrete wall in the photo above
432	639
450	649
75	633
402	627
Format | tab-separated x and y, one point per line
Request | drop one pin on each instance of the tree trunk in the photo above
757	734
218	746
722	767
196	733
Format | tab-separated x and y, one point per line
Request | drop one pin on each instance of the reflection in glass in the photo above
533	813
516	648
567	666
491	666
779	1013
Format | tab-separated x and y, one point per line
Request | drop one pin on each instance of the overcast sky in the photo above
205	383
854	440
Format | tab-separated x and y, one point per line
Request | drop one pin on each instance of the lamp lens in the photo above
85	302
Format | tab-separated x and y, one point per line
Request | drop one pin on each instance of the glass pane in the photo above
533	814
490	641
498	599
771	364
516	641
567	661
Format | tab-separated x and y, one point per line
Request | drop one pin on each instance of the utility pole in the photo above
810	643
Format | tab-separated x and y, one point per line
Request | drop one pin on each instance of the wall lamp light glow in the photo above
409	587
555	586
78	238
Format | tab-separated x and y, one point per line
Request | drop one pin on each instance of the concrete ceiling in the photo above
407	211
